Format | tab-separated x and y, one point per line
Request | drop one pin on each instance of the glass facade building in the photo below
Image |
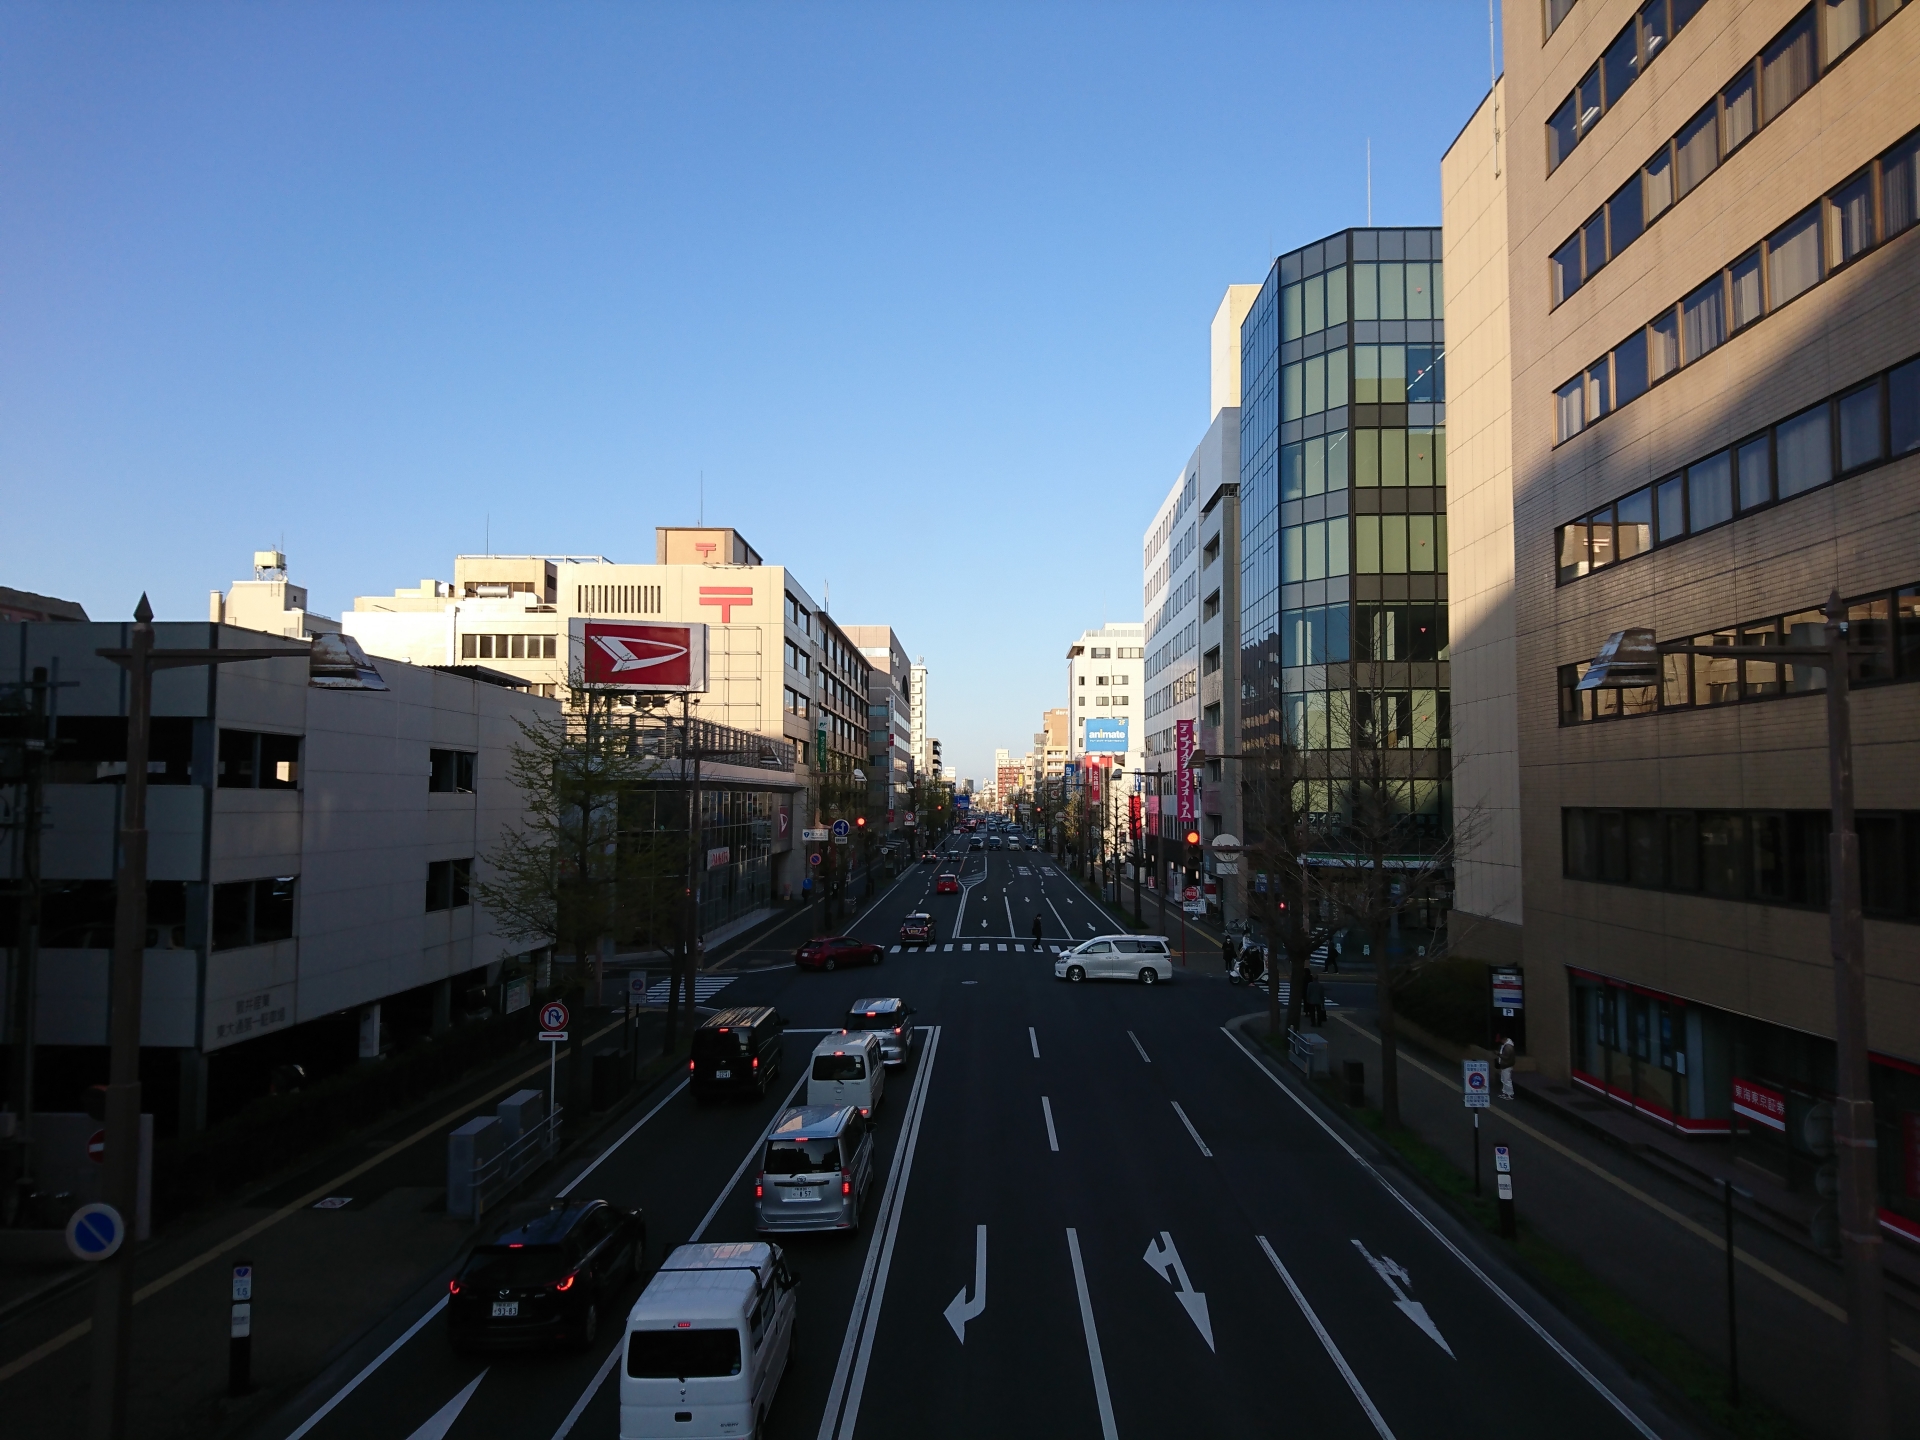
1343	510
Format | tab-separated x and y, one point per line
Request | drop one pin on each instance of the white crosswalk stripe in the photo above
894	951
705	987
947	949
1019	949
1001	948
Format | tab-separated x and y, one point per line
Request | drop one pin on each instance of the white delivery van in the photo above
707	1342
848	1068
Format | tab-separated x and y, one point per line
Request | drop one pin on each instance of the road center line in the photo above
1138	1046
1034	1038
850	1374
1333	1350
753	1154
1191	1131
1454	1250
1100	1395
1053	1140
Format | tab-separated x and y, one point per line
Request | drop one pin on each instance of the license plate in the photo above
800	1192
723	1074
505	1309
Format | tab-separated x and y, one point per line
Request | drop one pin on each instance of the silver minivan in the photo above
707	1343
848	1068
1145	958
887	1016
816	1170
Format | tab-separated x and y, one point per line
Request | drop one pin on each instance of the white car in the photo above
1117	957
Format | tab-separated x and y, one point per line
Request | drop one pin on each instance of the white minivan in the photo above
1117	957
707	1343
849	1067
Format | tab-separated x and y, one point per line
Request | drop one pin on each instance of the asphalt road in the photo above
1173	1244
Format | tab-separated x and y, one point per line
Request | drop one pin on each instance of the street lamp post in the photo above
113	1295
1632	658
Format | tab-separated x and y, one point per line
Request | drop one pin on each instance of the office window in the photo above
1210	662
1393	290
1423	291
1625	212
1762	676
1633	524
1900	187
1557	10
1663	345
1620	65
1903	407
1562	133
1658	184
1290	313
1803	456
1569	409
1850	216
1670	505
1787	67
1630	378
451	771
1740	102
1710	491
1860	427
448	884
1716	678
1846	23
1572	546
253	912
1748	305
1600	533
1703	319
1426	375
1426	457
1755	466
251	760
1697	150
1654	32
1587	100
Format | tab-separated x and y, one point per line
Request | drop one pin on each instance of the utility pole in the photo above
113	1295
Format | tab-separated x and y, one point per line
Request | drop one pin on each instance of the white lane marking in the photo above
1012	929
1065	928
371	1366
1452	1249
1164	1259
1395	1274
1138	1046
1033	1037
1053	1140
632	1130
1190	1130
593	1388
753	1154
1339	1360
1100	1395
850	1374
960	1309
442	1420
1089	925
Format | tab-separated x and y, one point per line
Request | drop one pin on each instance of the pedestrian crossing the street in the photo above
705	987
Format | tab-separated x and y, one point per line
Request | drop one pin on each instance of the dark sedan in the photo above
830	952
550	1271
916	929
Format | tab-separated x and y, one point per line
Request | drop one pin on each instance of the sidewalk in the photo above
323	1276
1624	1209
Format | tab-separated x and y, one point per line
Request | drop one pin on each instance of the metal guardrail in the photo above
499	1173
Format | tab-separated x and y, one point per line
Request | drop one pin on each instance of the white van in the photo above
707	1343
849	1067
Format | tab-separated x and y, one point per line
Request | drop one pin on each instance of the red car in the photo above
830	952
916	929
947	885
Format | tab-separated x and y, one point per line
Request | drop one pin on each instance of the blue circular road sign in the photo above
840	827
95	1231
814	859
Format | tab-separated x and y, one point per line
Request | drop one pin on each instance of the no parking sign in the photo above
1473	1083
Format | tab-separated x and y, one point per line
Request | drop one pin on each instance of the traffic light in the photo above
1193	837
859	822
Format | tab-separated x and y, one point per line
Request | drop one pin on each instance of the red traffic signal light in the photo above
860	822
1193	837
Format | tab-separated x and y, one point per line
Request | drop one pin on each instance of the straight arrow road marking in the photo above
1163	1258
1099	1366
1190	1130
1333	1350
960	1309
442	1421
1395	1274
1046	1109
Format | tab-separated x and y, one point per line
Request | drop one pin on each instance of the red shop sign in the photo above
1760	1102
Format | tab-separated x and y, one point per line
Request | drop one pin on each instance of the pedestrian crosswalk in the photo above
705	987
1000	947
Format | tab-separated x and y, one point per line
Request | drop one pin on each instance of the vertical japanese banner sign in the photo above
1185	782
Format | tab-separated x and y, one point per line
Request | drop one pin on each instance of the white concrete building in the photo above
1104	670
918	746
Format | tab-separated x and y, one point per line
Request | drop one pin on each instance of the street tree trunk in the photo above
1383	988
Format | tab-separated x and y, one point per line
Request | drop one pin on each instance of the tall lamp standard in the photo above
1632	658
113	1297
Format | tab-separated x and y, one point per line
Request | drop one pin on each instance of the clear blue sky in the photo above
923	290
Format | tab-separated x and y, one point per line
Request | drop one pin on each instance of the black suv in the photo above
545	1274
736	1052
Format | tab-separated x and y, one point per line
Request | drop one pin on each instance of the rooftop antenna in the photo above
1369	182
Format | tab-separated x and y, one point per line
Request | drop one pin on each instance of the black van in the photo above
736	1052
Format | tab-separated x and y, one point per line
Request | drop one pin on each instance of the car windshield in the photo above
514	1267
872	1020
801	1157
682	1354
839	1067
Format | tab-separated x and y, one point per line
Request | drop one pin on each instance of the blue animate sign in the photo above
1106	737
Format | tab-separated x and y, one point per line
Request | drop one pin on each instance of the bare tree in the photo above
572	872
1282	835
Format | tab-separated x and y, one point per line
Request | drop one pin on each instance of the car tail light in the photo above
453	1286
758	1190
896	1029
863	1113
756	1062
689	1067
564	1285
846	1182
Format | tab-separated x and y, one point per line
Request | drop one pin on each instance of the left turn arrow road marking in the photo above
960	1309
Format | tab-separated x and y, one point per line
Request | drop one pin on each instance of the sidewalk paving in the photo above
322	1276
1653	1234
